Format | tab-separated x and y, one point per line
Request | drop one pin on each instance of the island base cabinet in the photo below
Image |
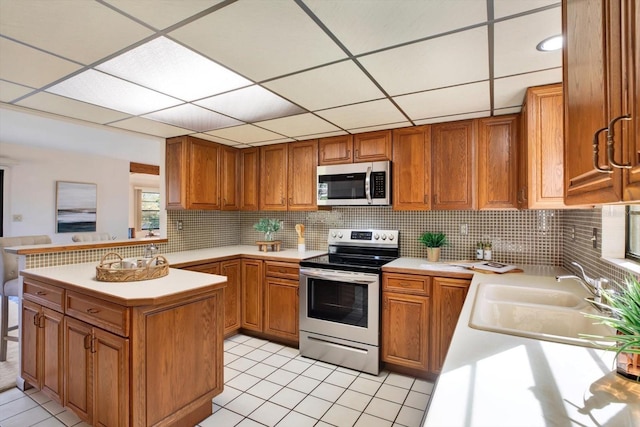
96	374
177	360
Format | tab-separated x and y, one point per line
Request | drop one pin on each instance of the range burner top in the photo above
357	250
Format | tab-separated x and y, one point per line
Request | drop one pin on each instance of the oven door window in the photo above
344	186
340	302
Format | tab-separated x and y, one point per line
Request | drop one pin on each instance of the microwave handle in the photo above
367	185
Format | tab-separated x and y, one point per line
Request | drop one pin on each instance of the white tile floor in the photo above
267	384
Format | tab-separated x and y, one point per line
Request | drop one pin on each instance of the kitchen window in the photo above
633	232
621	236
147	210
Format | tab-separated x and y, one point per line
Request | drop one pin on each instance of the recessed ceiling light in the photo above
550	44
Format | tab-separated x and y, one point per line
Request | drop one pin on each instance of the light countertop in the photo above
494	379
193	257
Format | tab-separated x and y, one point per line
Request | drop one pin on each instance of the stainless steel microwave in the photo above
355	184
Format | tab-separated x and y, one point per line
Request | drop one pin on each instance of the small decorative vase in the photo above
433	254
268	236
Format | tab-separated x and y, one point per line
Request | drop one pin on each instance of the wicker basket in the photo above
117	271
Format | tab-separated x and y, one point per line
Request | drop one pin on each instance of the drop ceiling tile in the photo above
55	104
515	49
371	113
161	14
322	135
260	39
170	68
192	117
215	139
302	124
319	88
463	99
31	67
246	134
107	91
381	127
454	117
83	31
510	91
11	91
275	141
363	26
502	8
251	104
454	59
150	127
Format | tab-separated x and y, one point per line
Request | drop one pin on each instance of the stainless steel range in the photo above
340	298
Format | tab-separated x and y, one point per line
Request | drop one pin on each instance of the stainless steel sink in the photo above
542	313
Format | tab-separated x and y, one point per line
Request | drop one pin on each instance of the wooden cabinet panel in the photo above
453	148
405	330
403	283
110	379
77	368
302	161
176	165
249	179
112	317
335	150
372	146
232	307
412	168
631	103
44	294
252	294
229	178
541	156
209	268
281	308
447	301
497	162
285	270
273	177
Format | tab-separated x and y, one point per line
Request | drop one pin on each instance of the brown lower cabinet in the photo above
116	365
419	314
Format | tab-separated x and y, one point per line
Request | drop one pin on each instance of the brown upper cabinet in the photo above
249	179
362	147
540	158
229	178
453	165
192	173
601	107
497	162
412	168
273	177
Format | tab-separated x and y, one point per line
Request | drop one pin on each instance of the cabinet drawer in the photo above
44	294
282	269
407	283
103	314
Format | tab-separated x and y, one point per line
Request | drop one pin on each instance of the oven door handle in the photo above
367	185
338	277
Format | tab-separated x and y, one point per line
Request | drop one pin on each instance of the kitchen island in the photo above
494	379
124	353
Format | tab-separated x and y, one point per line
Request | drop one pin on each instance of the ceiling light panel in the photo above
83	31
443	102
364	27
161	14
364	114
71	108
261	39
322	88
31	67
107	91
433	64
510	91
251	104
502	8
150	127
302	124
167	67
192	117
246	134
515	50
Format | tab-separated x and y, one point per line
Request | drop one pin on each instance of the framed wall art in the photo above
76	207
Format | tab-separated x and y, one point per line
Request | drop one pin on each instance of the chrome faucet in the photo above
594	286
150	251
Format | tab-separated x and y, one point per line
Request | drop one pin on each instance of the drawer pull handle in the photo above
40	293
93	310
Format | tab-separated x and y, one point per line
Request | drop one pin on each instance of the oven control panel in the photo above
363	237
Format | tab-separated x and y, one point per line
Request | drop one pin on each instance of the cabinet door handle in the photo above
40	293
87	341
596	164
610	144
348	153
93	310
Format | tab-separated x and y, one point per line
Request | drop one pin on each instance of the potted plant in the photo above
268	227
623	314
433	242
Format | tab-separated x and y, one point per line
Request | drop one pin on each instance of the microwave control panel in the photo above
379	185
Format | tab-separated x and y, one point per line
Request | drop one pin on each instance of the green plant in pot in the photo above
621	311
268	227
433	242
